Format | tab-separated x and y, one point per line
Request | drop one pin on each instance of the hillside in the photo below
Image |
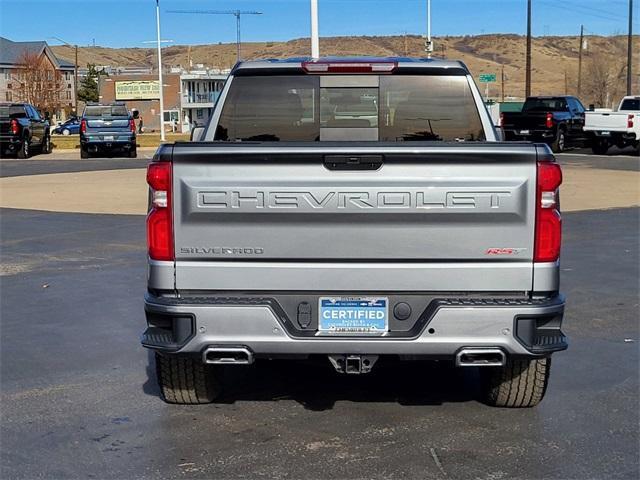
552	57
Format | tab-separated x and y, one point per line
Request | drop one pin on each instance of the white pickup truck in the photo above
620	127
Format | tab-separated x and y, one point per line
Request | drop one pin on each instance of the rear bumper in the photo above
97	143
519	327
533	135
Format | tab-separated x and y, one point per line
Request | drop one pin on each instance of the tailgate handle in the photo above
353	162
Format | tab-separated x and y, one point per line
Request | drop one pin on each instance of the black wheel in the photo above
185	380
46	145
25	149
519	384
133	153
84	153
559	143
600	146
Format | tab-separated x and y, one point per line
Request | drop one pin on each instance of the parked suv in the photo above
353	209
107	129
23	130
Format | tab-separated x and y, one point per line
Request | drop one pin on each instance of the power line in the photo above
236	13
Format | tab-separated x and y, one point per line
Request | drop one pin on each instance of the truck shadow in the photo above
316	386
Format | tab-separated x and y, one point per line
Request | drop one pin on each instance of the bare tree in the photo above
38	82
604	79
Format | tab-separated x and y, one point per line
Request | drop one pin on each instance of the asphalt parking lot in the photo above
79	398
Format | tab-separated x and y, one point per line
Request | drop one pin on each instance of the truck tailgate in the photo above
281	216
616	121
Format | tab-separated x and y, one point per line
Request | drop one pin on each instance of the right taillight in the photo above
630	120
548	221
83	126
14	126
159	219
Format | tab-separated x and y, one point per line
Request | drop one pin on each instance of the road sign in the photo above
487	77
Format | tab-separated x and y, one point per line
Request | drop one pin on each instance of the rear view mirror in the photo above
197	133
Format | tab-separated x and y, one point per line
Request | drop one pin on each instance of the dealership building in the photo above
189	97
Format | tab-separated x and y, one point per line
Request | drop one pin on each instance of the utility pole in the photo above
629	41
527	83
315	38
580	60
162	137
235	13
428	45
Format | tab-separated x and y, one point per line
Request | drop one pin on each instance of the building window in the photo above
8	97
68	95
8	86
68	85
199	113
66	75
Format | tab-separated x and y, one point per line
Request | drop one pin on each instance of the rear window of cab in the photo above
388	108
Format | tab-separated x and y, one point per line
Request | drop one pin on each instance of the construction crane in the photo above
236	13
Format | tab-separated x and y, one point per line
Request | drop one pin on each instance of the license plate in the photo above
108	138
605	134
354	315
524	132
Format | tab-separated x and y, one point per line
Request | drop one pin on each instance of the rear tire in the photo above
84	153
46	145
133	153
24	151
519	384
559	143
185	380
600	146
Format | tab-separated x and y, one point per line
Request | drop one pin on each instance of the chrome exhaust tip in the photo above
480	357
228	356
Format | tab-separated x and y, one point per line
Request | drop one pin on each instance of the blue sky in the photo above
129	23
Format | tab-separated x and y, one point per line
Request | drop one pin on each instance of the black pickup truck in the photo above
22	129
556	121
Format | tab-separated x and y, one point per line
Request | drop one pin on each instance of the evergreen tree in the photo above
88	91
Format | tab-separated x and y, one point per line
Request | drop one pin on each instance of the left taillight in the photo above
549	120
159	219
83	126
14	126
132	125
548	234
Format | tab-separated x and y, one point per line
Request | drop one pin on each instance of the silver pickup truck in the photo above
353	209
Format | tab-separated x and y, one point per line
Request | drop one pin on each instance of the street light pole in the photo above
315	40
428	44
629	42
162	137
527	82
